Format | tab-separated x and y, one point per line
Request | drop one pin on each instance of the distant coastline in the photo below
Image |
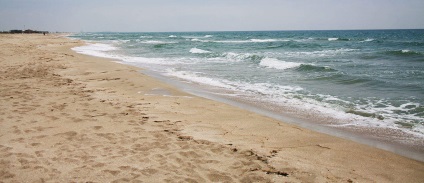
27	31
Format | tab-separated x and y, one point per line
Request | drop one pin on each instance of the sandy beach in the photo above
67	117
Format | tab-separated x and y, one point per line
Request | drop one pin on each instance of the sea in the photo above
365	83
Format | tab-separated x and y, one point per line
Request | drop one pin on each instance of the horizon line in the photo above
256	30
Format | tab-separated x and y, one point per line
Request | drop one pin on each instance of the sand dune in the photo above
67	117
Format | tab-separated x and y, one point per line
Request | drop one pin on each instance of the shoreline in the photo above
68	116
299	111
357	134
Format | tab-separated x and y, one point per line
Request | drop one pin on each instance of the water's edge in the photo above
397	148
386	138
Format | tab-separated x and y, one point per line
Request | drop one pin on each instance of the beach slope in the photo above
66	117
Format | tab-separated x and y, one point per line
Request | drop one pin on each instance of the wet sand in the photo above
67	117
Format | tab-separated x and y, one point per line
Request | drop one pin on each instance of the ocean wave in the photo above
293	44
322	53
278	64
233	57
172	36
233	41
338	39
197	50
403	53
252	41
208	36
156	42
344	79
308	68
199	40
367	40
242	56
263	40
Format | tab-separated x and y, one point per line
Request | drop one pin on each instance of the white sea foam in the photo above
104	50
157	42
267	89
263	40
406	51
231	56
197	50
97	49
197	78
158	61
333	39
278	64
172	36
252	41
199	40
322	53
233	41
208	36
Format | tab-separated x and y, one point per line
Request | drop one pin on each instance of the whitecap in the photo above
278	64
333	39
322	53
263	40
197	50
198	40
236	56
156	42
252	41
234	41
172	36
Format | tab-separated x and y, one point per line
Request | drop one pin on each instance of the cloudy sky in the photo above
209	15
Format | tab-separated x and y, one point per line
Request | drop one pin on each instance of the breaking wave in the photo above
278	64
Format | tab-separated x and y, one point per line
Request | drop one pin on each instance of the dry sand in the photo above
67	117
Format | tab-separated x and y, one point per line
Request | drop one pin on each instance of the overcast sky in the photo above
209	15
